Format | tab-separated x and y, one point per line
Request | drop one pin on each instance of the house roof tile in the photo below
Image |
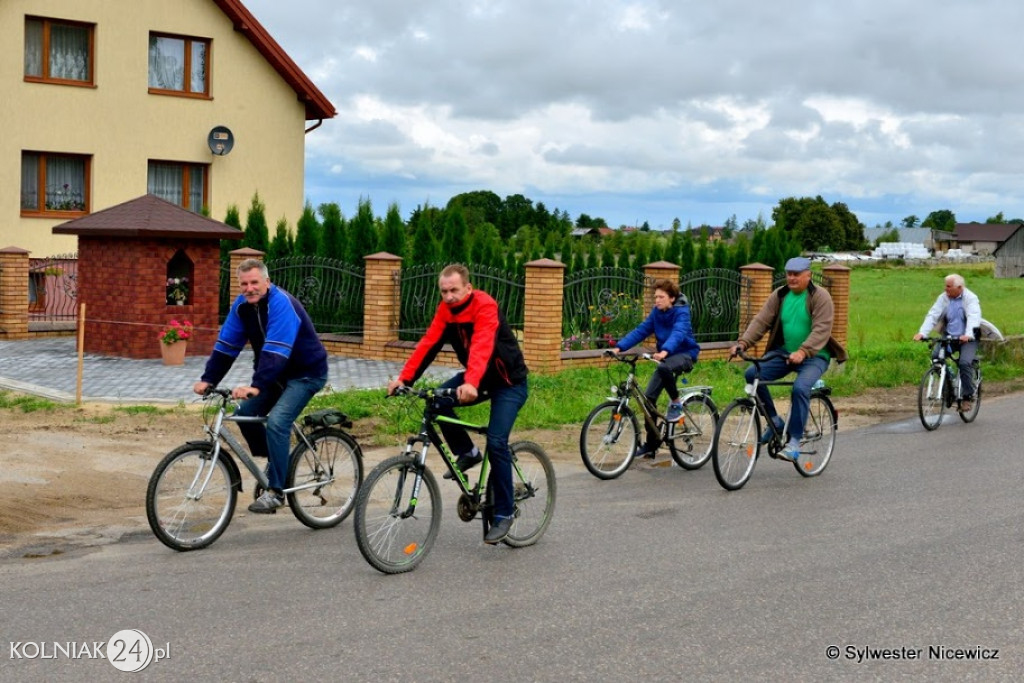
984	232
148	216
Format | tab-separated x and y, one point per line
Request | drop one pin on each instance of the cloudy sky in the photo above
653	110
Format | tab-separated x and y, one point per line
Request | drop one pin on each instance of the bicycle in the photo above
738	437
940	387
193	490
398	511
610	435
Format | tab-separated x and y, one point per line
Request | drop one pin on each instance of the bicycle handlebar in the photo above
630	357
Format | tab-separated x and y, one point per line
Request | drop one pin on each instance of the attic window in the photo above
179	65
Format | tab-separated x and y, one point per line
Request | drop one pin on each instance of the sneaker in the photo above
675	411
267	504
791	452
646	451
499	530
464	463
766	435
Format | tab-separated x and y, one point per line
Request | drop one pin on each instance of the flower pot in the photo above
173	354
179	302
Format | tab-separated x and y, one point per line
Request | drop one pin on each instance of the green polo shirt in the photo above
796	322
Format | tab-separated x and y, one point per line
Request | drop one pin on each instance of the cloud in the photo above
695	110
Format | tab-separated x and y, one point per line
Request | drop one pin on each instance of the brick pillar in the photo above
839	288
761	287
237	256
542	327
381	297
14	293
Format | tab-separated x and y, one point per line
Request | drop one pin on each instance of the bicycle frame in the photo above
430	435
630	390
219	436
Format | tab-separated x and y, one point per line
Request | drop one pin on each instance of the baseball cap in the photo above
798	264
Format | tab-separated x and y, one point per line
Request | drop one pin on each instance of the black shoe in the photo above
498	530
465	462
646	451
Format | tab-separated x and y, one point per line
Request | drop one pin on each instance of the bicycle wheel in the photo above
930	398
736	444
691	438
533	478
190	497
969	415
393	533
819	438
329	475
609	439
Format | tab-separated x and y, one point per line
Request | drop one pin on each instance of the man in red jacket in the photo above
494	369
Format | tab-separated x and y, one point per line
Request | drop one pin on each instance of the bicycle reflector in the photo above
411	548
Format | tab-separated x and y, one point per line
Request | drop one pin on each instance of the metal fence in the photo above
601	305
330	290
420	295
819	279
53	289
719	299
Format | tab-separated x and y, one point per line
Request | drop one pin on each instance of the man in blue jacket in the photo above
669	322
290	366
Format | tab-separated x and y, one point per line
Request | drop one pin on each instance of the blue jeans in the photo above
281	406
807	373
505	405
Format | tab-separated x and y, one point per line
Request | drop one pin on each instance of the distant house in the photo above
585	232
982	239
715	234
1010	254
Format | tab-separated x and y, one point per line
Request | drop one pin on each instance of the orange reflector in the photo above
750	451
808	466
411	548
617	417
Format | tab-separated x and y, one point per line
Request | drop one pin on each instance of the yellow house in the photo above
102	101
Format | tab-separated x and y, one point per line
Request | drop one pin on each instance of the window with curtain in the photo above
54	183
181	184
179	65
58	51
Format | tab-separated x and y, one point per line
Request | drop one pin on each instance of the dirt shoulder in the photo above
76	476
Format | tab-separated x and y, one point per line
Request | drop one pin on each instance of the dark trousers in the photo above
505	405
664	379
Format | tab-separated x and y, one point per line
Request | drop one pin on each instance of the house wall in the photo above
1010	257
123	126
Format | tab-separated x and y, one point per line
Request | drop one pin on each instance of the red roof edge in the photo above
317	104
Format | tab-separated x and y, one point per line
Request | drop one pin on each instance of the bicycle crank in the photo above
467	508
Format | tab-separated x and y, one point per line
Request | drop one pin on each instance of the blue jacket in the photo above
671	329
282	337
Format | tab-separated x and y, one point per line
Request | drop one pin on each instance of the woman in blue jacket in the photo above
669	322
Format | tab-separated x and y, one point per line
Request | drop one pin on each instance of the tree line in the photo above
483	229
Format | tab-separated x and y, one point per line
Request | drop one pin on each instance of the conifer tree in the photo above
392	239
362	235
233	219
453	242
424	246
687	257
257	236
333	243
307	233
281	246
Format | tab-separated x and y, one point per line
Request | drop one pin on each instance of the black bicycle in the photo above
610	435
738	438
398	509
940	387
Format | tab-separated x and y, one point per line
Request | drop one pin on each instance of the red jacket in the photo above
481	338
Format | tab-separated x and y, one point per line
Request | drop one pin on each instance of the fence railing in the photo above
718	300
53	289
330	290
600	306
419	295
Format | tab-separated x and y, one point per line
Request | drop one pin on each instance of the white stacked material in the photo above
957	254
901	250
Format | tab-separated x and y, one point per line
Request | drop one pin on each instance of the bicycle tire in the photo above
971	414
338	462
690	446
533	478
177	519
609	439
819	439
737	444
389	538
931	399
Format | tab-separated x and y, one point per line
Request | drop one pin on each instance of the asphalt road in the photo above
905	556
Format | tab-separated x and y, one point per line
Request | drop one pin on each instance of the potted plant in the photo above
177	291
174	341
